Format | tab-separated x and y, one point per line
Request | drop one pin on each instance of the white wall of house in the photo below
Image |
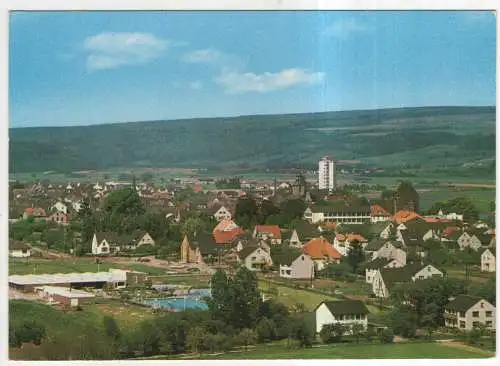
467	241
379	218
488	261
222	214
387	231
60	207
295	240
324	316
100	248
428	272
300	268
481	313
378	286
253	260
146	239
20	253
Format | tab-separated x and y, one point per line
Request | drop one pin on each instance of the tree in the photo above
266	330
267	208
124	202
460	205
31	331
292	209
246	299
403	321
246	212
386	336
195	339
355	256
220	303
303	332
192	226
111	328
357	331
247	337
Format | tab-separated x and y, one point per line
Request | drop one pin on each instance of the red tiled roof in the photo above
320	248
223	225
340	237
435	219
37	211
402	217
377	210
449	231
356	237
269	229
226	237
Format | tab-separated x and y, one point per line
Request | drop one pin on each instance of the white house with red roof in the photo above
36	212
268	232
378	214
342	243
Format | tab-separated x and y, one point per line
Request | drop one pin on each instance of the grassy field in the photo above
481	197
78	265
355	351
476	276
291	296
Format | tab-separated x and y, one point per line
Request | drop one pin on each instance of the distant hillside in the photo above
438	136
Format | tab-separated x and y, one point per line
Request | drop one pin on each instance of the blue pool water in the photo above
177	304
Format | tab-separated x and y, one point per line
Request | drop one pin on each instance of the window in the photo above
475	314
302	257
428	269
489	314
462	324
482	305
420	277
475	324
489	323
462	314
253	258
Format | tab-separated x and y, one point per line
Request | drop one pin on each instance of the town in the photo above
232	269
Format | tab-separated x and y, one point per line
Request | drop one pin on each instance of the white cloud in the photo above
208	55
236	83
112	50
343	28
196	85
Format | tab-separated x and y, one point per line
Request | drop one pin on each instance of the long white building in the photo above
326	174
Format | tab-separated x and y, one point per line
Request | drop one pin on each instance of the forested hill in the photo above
451	136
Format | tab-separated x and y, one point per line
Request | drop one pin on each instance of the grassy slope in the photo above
420	135
353	351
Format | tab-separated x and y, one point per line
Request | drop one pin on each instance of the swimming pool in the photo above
177	303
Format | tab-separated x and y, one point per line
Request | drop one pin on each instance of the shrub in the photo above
386	336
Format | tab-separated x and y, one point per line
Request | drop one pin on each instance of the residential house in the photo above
343	243
59	207
467	312
199	249
450	216
301	267
227	237
105	243
59	217
379	214
143	238
303	232
385	279
388	250
339	212
221	213
268	232
372	267
321	252
226	225
255	258
37	212
404	216
468	241
388	231
488	260
344	312
19	249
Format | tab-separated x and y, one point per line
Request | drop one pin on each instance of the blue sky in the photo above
79	68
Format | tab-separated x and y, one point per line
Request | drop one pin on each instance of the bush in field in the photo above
386	336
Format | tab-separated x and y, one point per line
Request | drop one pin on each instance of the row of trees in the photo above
248	213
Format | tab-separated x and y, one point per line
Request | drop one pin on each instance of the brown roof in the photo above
402	217
377	210
320	248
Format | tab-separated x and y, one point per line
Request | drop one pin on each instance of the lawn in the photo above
38	266
475	276
127	315
355	351
78	265
290	296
